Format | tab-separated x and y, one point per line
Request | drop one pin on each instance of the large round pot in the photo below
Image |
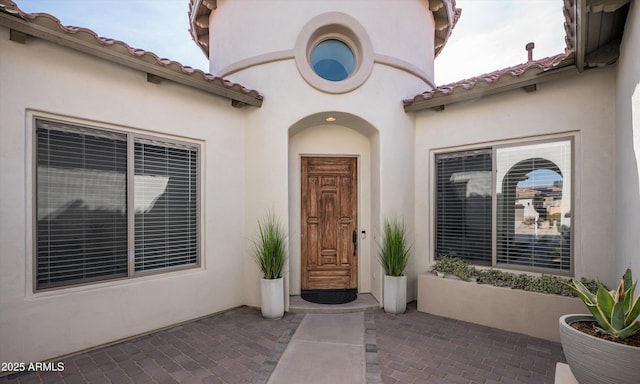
595	361
272	291
395	294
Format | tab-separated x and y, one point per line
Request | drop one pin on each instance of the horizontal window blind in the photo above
81	231
83	187
166	196
463	205
533	213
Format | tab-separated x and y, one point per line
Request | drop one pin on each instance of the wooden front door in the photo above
329	223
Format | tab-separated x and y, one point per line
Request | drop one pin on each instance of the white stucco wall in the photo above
628	147
580	106
251	161
293	105
241	33
39	78
267	146
254	46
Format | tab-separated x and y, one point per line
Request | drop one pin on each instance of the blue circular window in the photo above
332	60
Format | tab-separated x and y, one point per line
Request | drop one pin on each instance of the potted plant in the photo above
270	255
604	347
394	256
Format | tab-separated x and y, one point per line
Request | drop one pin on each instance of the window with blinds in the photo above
525	187
166	218
463	205
83	190
533	184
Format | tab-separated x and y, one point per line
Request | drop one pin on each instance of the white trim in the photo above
256	61
404	66
283	55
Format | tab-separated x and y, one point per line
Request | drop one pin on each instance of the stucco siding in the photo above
628	146
250	158
298	106
240	38
42	79
580	106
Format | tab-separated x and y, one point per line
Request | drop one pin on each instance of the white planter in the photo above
395	294
272	291
593	360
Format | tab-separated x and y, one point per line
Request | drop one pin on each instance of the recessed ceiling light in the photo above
330	119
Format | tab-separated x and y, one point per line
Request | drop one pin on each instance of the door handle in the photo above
354	239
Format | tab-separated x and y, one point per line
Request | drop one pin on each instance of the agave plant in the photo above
270	248
394	251
615	311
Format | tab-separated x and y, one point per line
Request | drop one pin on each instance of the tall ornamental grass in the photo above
394	250
270	248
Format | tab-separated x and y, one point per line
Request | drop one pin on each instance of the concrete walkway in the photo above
326	348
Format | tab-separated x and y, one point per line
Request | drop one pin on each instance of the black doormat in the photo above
329	296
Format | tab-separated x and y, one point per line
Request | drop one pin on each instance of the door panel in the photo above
329	218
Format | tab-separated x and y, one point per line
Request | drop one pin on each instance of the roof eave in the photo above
587	46
116	52
595	46
526	81
445	16
199	12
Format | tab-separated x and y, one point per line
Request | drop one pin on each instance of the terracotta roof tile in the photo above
200	10
446	16
89	36
537	66
597	37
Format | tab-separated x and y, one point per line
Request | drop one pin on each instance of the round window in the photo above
332	60
333	53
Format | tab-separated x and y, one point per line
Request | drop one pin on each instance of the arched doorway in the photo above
331	185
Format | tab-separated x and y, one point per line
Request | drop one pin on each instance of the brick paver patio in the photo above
420	348
238	346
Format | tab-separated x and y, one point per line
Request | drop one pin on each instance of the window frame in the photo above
131	136
571	137
334	26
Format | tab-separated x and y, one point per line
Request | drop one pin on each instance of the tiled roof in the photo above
594	30
593	34
528	69
446	16
48	27
199	11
